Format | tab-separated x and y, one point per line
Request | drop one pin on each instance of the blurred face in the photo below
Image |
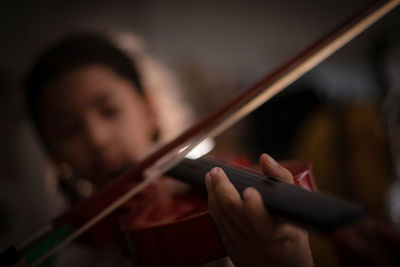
96	121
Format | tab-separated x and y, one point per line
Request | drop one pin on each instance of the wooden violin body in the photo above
168	224
175	217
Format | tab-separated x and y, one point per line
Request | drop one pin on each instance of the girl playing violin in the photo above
96	116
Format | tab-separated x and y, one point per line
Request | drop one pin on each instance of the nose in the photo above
97	134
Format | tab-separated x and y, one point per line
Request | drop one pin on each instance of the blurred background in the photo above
342	116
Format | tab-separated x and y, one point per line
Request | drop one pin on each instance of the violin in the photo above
114	205
179	223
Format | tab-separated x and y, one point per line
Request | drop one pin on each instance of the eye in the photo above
109	111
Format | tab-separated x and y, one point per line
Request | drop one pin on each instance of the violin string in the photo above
215	129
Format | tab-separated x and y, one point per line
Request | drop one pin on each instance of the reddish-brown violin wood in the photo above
169	225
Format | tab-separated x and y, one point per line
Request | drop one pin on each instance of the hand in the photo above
250	235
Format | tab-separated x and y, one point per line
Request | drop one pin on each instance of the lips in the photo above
109	163
111	166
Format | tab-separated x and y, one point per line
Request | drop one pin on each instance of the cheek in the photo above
135	134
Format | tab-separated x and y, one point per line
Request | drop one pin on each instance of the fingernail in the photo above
248	192
214	171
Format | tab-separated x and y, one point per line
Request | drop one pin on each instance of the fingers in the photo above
236	217
225	206
250	235
257	214
272	168
224	191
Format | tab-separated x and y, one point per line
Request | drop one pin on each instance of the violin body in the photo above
167	224
171	226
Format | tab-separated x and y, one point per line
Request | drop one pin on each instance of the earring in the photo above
74	187
64	171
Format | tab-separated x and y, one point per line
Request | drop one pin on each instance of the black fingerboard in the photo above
311	210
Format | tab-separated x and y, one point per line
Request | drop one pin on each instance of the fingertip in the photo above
253	200
256	212
251	195
263	156
213	176
216	173
267	159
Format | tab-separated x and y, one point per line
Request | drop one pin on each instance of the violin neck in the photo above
311	210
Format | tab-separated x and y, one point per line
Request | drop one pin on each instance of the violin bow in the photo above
257	94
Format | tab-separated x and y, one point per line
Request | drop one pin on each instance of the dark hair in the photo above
73	52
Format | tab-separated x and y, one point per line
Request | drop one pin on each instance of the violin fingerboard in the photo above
310	210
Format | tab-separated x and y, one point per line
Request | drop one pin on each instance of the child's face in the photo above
96	121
